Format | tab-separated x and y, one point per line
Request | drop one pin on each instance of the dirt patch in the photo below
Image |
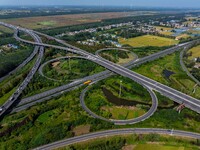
156	143
55	64
128	147
155	69
83	129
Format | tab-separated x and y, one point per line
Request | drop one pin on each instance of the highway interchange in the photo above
175	95
150	85
24	84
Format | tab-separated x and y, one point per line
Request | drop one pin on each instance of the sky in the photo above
145	3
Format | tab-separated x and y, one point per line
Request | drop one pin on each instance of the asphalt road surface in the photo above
177	96
109	133
14	97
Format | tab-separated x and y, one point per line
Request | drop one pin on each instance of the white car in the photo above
1	109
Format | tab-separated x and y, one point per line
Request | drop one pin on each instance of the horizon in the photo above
103	3
105	6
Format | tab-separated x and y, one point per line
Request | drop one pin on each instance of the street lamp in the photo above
120	89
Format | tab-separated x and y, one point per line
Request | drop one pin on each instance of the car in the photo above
87	82
1	109
11	98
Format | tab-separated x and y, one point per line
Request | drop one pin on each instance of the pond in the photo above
179	31
197	29
120	101
124	102
167	73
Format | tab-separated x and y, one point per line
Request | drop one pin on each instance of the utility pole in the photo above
69	65
120	89
172	131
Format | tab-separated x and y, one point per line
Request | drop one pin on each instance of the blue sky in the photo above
147	3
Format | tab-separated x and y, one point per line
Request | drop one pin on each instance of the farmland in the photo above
164	30
67	20
148	40
183	36
5	30
195	52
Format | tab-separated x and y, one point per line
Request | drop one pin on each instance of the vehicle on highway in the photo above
87	82
1	108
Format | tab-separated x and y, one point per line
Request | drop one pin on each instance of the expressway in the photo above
62	88
14	97
177	96
29	101
109	133
189	102
25	104
69	57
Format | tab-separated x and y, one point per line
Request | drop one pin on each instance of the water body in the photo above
167	73
196	34
179	31
120	101
124	102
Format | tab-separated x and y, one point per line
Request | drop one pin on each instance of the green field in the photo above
136	142
159	147
119	57
131	91
164	30
67	114
179	80
5	30
124	113
166	33
195	52
45	116
148	40
6	96
47	23
65	70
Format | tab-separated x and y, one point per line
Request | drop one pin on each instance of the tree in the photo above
198	142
